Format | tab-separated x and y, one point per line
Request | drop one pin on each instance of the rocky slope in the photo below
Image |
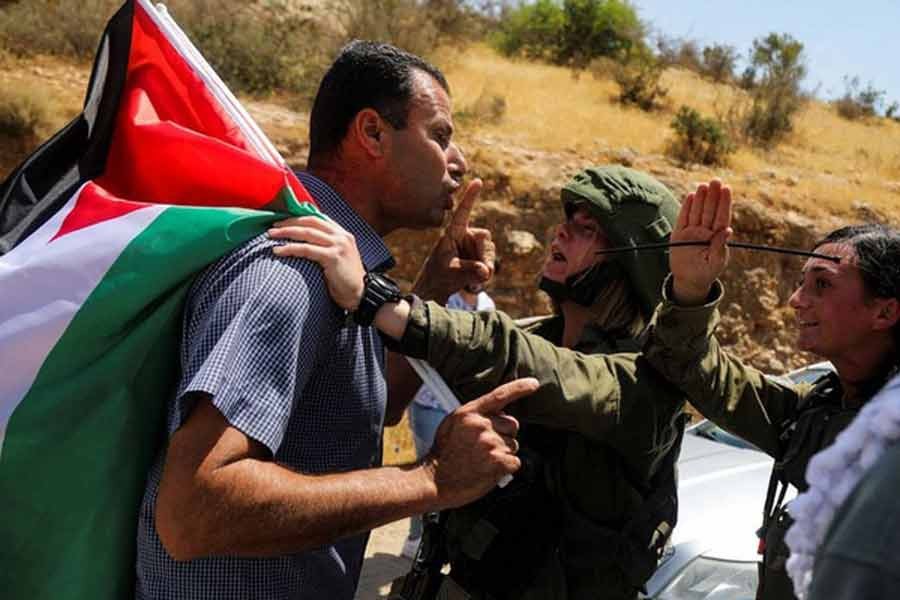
520	205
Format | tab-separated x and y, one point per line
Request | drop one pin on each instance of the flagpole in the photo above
264	147
183	45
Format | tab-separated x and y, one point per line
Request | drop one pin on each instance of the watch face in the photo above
386	286
380	289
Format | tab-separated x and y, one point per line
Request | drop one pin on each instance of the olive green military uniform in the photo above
789	422
603	425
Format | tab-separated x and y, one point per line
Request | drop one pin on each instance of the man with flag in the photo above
269	480
277	419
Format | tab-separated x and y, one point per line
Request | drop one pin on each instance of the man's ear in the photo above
888	313
368	131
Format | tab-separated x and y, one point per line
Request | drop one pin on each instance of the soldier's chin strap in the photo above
582	287
744	245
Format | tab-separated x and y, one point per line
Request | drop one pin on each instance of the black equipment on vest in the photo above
425	577
497	545
814	425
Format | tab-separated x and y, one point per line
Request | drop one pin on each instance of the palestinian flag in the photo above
102	230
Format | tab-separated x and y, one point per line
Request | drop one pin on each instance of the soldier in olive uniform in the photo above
595	501
847	312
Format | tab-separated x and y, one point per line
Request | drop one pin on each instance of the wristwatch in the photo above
379	290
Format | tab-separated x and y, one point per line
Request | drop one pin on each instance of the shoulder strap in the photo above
777	487
818	396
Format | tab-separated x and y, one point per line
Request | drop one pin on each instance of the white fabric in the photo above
833	474
44	284
482	302
433	394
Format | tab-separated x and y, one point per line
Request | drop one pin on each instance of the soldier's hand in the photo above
462	256
705	216
330	245
475	445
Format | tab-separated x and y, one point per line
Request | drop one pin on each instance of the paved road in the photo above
383	561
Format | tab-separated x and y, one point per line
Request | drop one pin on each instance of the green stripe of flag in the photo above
79	445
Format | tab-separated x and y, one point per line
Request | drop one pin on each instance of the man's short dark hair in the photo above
365	75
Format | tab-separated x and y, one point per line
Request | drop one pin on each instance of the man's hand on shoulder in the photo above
333	248
463	255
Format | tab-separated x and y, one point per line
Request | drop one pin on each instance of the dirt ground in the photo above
383	562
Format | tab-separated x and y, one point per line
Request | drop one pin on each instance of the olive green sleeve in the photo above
476	352
681	345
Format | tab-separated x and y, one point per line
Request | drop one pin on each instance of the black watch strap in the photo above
379	290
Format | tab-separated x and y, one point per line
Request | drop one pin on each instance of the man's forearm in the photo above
221	494
391	319
260	508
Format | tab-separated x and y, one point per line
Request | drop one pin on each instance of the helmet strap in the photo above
582	287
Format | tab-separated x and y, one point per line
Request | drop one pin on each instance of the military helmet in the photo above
632	208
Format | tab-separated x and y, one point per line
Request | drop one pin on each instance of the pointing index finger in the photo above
459	223
496	400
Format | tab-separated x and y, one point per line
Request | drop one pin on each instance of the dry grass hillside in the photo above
526	128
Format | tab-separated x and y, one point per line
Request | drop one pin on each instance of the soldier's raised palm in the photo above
705	216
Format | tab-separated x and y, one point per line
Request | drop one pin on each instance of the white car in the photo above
722	482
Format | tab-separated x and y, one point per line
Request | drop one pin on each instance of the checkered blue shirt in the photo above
263	339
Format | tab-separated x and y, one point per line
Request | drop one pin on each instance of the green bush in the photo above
718	62
680	52
893	111
776	68
699	139
639	82
859	103
532	30
571	32
747	80
595	28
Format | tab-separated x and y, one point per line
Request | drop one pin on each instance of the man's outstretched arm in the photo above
476	351
222	494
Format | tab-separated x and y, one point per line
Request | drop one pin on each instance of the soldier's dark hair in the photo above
877	249
364	75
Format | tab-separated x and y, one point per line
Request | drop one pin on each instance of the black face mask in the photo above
581	288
